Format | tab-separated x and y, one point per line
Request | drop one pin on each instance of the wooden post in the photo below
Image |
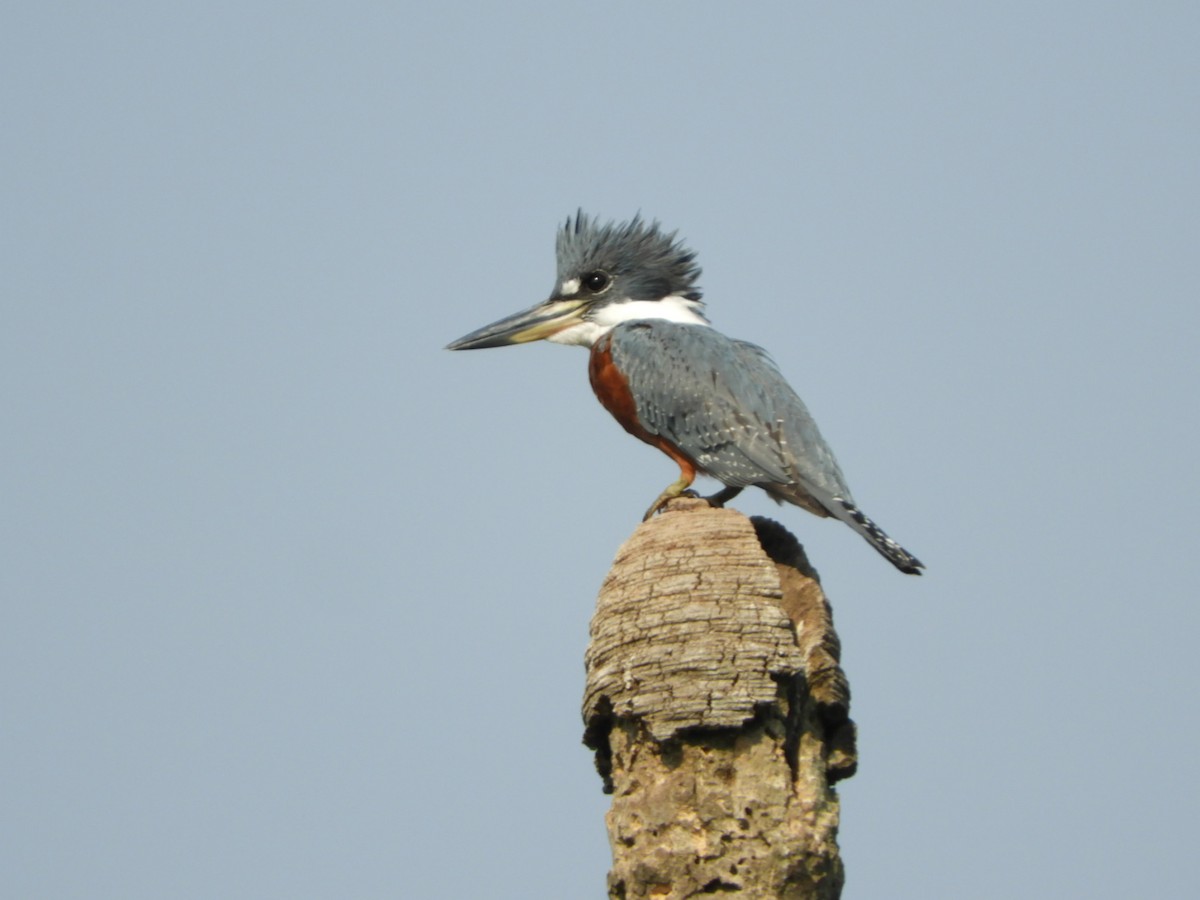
718	712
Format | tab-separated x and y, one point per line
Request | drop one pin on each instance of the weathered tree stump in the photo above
718	712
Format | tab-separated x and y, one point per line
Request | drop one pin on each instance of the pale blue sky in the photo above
295	602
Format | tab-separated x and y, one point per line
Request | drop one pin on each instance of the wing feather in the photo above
725	404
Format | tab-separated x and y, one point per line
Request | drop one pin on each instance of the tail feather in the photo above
875	536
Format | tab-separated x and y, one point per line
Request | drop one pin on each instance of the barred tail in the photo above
876	537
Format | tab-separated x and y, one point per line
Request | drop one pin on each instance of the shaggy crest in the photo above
648	263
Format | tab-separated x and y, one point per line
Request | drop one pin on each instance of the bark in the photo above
718	712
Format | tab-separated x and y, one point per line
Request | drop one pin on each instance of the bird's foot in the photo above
679	489
663	499
723	496
675	490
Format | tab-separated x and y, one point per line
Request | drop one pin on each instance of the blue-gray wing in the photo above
725	404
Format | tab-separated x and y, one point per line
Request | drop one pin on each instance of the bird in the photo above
629	293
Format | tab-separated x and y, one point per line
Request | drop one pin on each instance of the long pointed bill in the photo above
534	324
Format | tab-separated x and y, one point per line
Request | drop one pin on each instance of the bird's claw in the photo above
666	497
723	496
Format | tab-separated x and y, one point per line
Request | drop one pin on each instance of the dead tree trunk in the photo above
718	712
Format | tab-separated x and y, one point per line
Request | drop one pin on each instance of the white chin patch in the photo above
604	319
581	334
673	308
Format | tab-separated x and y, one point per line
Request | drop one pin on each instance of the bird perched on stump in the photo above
715	405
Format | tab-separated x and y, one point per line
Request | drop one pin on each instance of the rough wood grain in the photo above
718	712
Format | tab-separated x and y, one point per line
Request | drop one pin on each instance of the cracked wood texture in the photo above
718	712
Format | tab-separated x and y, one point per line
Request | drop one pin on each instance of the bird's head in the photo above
607	274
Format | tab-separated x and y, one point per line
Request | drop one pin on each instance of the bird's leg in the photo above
674	490
723	496
687	474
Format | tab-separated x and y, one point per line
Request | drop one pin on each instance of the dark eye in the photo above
596	281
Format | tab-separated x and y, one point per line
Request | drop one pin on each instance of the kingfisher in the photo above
716	406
